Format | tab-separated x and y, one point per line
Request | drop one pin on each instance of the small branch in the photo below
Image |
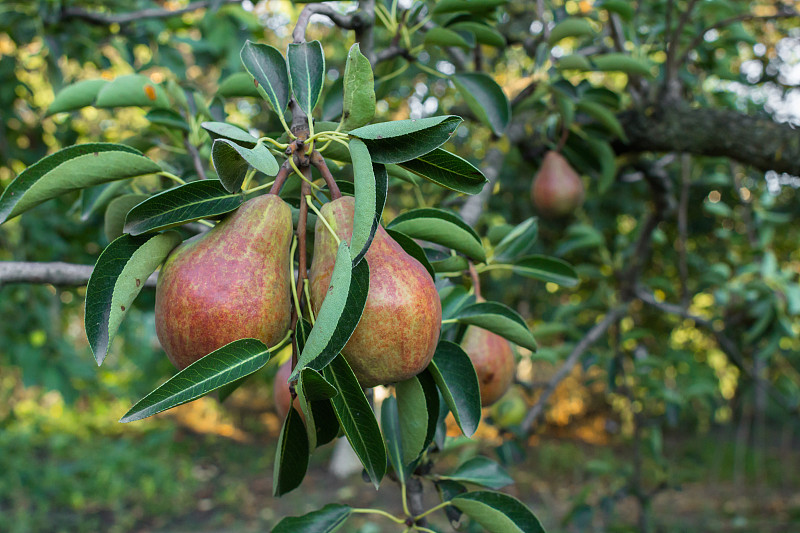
394	51
195	155
416	505
347	21
319	162
133	16
57	273
476	281
280	178
683	228
364	33
592	336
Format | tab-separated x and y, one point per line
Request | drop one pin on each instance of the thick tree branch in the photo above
756	141
348	21
133	16
57	273
592	336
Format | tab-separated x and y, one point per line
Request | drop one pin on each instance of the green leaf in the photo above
442	227
307	70
358	91
483	34
412	411
616	61
356	418
315	387
326	520
431	405
396	171
604	116
70	169
238	84
224	365
573	62
371	184
454	298
485	98
117	278
445	37
291	455
545	268
76	96
97	198
608	163
471	6
412	248
339	314
623	8
182	204
116	212
447	170
168	118
570	27
518	241
268	67
500	319
232	162
455	376
332	101
131	90
223	130
498	512
445	262
481	471
402	140
390	425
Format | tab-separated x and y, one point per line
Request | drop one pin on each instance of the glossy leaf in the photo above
356	418
431	405
412	414
570	27
403	140
471	6
545	268
182	204
518	241
498	512
268	67
447	170
483	34
455	376
132	90
441	227
454	298
485	99
97	198
481	471
168	118
238	84
339	314
445	37
371	184
223	130
500	319
76	96
71	169
390	426
358	91
117	278
232	162
116	212
326	520
224	365
616	61
291	455
412	248
307	71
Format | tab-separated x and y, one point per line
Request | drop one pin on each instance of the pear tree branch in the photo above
98	17
59	274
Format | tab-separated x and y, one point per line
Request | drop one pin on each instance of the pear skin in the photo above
280	391
557	190
229	283
399	329
493	360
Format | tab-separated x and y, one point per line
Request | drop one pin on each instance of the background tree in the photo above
678	115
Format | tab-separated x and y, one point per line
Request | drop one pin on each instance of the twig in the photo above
476	280
196	160
347	21
592	336
56	273
318	161
133	16
364	33
280	178
683	228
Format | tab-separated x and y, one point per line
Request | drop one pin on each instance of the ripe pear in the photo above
399	329
557	189
226	284
493	360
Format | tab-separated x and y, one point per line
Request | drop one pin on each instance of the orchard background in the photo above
665	389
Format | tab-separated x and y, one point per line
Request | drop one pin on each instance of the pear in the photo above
510	410
557	190
226	284
280	391
493	360
399	329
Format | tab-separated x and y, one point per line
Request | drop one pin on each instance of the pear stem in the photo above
323	219
476	282
280	178
318	161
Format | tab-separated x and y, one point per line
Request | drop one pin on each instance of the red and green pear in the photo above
493	360
280	391
229	283
557	190
399	329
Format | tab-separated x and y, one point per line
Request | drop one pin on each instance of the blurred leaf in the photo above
472	6
485	98
439	36
570	27
481	471
131	90
76	96
545	268
517	241
238	84
326	520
